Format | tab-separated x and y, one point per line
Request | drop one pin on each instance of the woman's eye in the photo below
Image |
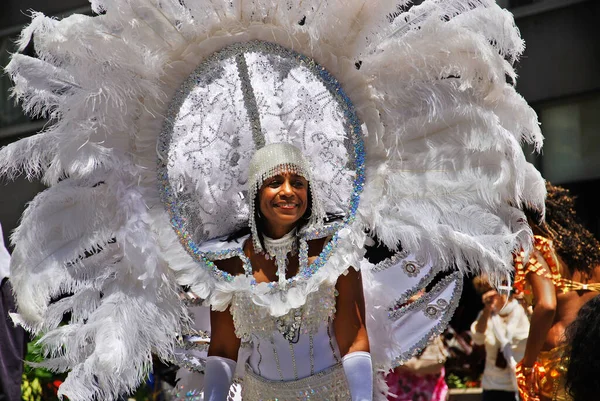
298	184
274	184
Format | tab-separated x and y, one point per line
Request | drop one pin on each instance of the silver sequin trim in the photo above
442	324
276	356
294	366
398	258
250	101
327	385
335	355
393	261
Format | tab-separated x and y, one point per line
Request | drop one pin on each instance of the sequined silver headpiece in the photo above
268	162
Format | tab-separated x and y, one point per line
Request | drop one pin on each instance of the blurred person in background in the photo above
421	378
560	275
502	327
582	355
12	339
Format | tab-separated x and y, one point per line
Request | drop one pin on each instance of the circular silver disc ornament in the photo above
238	100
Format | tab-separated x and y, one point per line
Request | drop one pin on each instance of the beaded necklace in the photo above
279	249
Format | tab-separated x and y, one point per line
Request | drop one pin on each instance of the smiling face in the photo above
283	200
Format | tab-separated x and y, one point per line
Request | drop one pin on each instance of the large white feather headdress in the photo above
438	139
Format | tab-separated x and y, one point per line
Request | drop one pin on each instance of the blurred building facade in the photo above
559	76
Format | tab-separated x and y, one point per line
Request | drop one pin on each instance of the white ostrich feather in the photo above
115	297
446	175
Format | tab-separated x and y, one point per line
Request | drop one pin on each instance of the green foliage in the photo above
31	390
38	384
455	381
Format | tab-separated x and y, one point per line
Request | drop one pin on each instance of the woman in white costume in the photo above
297	355
400	119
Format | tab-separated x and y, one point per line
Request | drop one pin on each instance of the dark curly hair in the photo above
583	364
575	244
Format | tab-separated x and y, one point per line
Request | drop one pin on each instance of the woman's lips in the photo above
286	206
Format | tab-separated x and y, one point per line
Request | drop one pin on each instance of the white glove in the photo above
359	374
217	378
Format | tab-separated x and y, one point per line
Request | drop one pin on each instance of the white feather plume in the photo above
122	298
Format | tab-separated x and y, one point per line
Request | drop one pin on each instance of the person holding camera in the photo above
502	327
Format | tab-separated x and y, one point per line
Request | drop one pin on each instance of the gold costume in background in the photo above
560	234
551	366
550	374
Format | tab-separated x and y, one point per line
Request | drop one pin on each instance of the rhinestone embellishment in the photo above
433	311
411	268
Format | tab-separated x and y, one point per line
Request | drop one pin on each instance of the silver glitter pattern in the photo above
390	262
252	320
289	325
250	101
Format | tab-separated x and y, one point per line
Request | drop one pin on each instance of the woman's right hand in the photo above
490	301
